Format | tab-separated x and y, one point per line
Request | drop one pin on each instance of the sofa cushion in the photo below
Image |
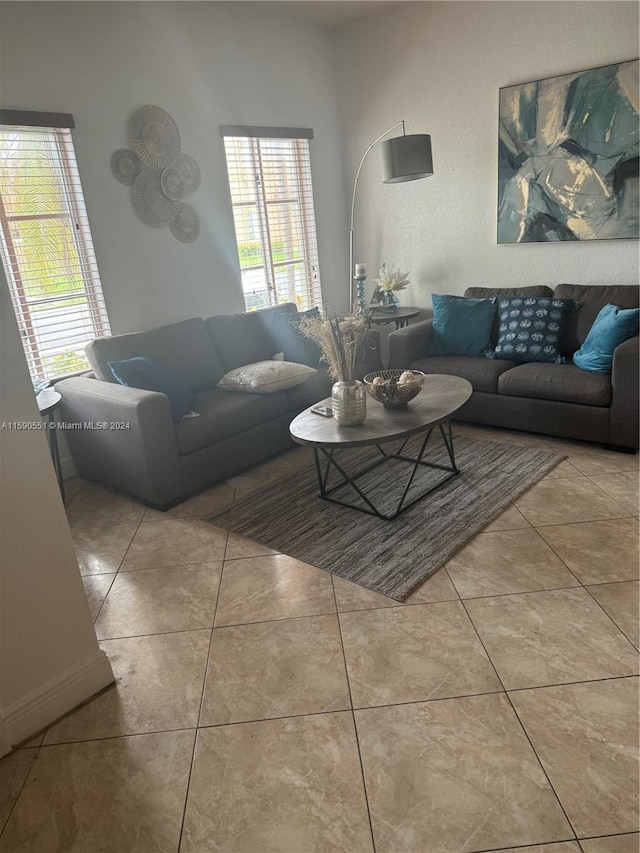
563	382
481	372
240	339
289	339
184	349
460	326
317	388
246	338
226	413
266	377
142	372
593	297
612	327
531	328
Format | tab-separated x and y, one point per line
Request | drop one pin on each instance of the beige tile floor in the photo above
263	705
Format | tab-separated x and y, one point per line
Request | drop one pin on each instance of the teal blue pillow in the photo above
461	326
611	327
142	372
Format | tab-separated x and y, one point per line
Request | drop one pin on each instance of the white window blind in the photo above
272	198
46	249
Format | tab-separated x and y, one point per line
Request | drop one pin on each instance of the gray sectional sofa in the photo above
554	399
162	462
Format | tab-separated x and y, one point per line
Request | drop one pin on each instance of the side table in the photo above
400	316
48	402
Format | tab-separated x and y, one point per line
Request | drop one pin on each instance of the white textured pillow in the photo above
265	377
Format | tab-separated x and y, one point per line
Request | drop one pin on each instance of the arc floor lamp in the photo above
406	158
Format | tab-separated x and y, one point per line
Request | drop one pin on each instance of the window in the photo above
45	244
272	198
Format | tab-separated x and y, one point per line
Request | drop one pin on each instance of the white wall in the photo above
439	66
49	656
206	64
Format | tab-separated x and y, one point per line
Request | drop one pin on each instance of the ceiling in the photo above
327	13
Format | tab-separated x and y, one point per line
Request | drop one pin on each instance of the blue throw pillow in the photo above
611	327
461	326
530	328
142	372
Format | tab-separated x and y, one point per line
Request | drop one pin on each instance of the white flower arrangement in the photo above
341	339
392	278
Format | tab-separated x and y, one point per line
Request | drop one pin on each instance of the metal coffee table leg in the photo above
347	479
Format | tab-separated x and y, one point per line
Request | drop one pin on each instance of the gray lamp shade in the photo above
407	158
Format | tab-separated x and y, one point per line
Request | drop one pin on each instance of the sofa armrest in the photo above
409	344
122	436
625	378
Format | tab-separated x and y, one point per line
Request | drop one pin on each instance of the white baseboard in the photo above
56	697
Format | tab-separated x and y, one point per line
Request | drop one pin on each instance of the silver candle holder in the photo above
360	300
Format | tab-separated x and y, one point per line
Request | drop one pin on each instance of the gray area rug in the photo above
389	557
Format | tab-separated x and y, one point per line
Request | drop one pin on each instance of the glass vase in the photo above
348	402
388	302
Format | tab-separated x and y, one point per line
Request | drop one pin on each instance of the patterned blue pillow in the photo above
530	328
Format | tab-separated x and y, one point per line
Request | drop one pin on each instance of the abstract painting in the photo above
568	157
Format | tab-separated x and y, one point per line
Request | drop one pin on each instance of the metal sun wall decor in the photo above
568	157
158	173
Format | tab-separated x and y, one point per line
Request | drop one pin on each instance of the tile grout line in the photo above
544	770
204	686
353	718
168	566
103	738
610	617
527	847
117	571
584	521
455	588
610	835
564	562
508	698
604	491
95	619
459	597
335	711
153	634
568	567
573	683
585	587
19	794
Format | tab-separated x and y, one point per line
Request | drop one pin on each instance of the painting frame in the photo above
568	148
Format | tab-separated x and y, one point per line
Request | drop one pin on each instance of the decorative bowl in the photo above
394	388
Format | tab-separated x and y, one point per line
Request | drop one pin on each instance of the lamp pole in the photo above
353	204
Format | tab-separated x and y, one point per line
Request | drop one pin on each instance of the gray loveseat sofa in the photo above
554	399
162	462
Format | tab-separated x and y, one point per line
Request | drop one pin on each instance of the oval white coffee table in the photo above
439	400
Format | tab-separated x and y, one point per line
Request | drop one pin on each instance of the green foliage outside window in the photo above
250	253
47	253
65	362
